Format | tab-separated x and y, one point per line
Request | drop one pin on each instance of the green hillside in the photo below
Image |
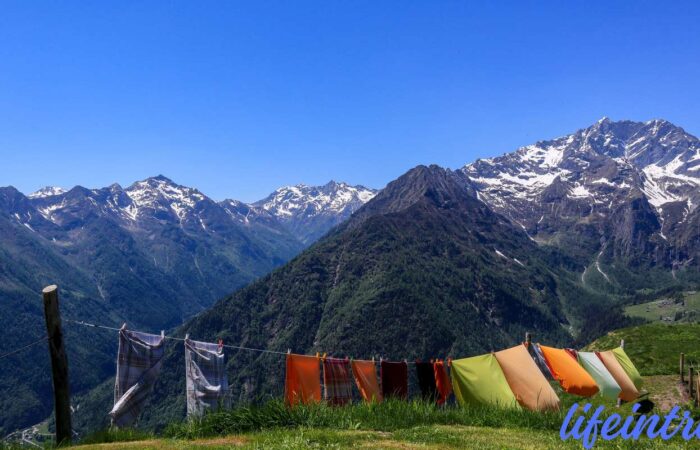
655	347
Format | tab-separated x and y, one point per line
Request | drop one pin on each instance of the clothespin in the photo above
289	351
162	334
316	355
449	362
221	345
187	336
123	326
324	356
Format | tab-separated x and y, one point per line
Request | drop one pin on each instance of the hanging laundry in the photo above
572	353
479	380
337	381
596	369
538	357
628	366
365	373
629	391
530	387
139	360
442	382
394	379
426	381
568	372
303	380
206	380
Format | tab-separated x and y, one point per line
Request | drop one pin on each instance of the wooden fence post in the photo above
690	383
682	365
59	365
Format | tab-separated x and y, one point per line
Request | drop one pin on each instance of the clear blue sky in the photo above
239	98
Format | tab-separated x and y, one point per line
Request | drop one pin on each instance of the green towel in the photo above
479	380
596	369
629	368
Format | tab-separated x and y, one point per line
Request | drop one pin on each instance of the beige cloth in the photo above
629	391
530	387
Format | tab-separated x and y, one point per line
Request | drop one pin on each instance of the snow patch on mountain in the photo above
47	191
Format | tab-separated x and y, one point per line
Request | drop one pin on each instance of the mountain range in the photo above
152	255
552	239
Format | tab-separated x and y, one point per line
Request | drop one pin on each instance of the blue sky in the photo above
238	98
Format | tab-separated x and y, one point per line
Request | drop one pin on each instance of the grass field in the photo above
419	437
669	310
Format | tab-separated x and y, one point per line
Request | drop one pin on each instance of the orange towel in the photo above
530	387
629	392
303	380
442	382
568	372
365	373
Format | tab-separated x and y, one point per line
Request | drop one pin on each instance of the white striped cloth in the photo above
207	384
138	364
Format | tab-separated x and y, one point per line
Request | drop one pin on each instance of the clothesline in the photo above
38	341
238	347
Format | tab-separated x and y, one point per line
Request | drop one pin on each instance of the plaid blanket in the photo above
337	381
138	365
207	384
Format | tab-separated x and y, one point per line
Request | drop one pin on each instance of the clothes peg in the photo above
289	351
449	362
220	344
123	326
187	336
162	334
324	356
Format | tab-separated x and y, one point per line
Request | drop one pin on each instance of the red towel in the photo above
394	379
442	382
303	380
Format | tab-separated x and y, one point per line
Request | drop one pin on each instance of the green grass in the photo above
655	348
683	308
387	416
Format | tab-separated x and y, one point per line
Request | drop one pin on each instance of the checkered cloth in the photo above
337	381
207	384
138	365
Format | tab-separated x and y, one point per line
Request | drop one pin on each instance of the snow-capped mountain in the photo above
47	191
310	211
615	189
